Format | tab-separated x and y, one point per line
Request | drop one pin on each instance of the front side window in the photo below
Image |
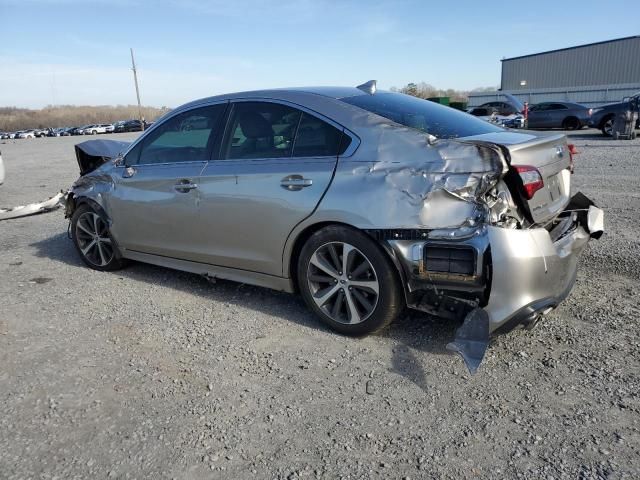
423	115
186	137
262	130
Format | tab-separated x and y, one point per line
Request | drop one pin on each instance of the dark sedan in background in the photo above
604	116
565	115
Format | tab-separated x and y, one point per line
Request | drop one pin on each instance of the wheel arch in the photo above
291	260
75	201
608	116
571	118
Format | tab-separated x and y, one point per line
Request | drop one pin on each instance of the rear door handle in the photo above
295	182
185	186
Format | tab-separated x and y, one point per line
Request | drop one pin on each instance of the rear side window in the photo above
273	130
187	137
423	115
262	130
316	138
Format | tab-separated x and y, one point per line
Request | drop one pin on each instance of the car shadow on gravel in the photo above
413	333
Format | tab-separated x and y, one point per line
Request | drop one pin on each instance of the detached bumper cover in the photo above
526	273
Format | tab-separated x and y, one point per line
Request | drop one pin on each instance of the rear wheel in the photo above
607	126
348	281
90	233
571	123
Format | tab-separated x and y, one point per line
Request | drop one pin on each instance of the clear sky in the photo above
77	52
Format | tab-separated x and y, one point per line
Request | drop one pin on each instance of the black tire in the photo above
607	126
571	123
95	258
93	132
390	301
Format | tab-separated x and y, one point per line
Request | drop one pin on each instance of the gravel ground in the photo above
149	372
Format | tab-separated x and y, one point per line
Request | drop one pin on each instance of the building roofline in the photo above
571	48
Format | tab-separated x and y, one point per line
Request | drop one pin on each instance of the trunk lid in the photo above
548	153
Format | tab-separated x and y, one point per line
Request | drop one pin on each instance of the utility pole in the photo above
135	79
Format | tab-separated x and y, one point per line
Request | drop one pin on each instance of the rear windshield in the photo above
424	115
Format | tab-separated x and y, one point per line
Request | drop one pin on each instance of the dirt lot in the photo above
153	373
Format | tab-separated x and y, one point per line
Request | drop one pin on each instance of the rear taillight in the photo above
572	152
531	180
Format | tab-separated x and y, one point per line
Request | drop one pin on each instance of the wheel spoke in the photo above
83	228
89	246
368	285
322	296
316	277
337	305
320	262
103	261
363	267
334	256
368	306
348	252
354	315
95	223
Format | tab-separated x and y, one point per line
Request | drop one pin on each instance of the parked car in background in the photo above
84	130
75	130
365	202
41	132
603	117
109	128
492	115
566	115
503	109
98	128
66	131
8	135
26	134
129	126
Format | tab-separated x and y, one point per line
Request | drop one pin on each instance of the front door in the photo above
275	165
154	205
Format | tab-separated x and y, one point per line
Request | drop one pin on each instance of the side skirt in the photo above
213	271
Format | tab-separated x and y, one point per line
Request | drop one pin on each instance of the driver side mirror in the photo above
119	161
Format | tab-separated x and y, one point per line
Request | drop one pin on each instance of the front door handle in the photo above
295	182
185	186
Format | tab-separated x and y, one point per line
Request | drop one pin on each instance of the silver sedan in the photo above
363	201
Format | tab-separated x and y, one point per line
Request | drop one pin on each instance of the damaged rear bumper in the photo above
513	275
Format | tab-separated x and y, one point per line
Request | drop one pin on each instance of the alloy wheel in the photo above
608	127
92	234
343	282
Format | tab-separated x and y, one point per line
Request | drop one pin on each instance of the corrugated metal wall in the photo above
608	63
589	96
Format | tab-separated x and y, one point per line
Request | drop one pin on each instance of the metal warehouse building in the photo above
592	74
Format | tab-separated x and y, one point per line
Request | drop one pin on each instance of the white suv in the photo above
98	128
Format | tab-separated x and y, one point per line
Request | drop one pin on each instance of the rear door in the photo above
538	116
275	164
557	114
155	203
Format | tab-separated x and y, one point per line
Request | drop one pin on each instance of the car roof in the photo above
330	92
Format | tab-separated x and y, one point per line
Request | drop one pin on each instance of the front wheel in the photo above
571	123
349	281
90	234
607	127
